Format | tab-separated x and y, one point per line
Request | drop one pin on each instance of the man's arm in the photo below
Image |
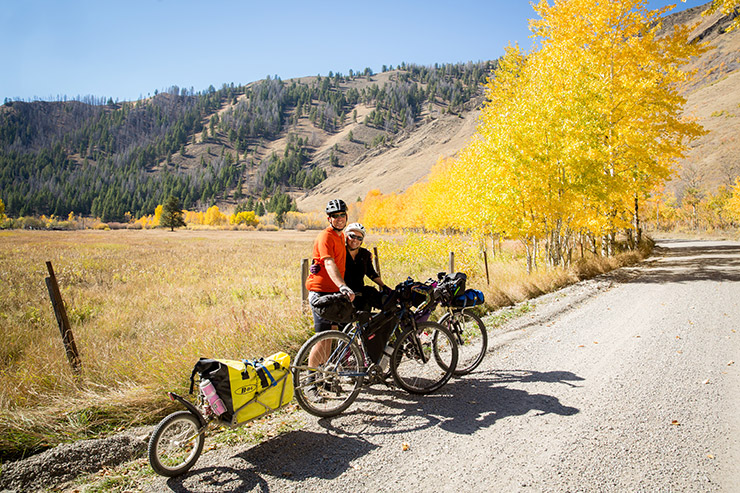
336	276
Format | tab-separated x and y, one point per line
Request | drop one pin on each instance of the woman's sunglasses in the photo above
356	237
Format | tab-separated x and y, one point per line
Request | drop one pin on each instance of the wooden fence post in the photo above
485	261
377	262
452	262
61	313
304	290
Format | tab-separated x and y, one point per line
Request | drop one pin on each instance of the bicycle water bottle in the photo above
386	359
209	391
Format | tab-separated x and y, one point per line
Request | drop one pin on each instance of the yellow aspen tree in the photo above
732	207
370	209
214	217
444	207
157	216
245	217
633	77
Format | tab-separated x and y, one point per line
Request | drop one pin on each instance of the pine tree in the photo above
172	214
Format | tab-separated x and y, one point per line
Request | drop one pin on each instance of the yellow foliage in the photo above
194	217
146	222
573	135
157	215
732	207
214	217
245	217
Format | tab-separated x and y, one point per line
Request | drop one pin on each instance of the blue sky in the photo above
126	49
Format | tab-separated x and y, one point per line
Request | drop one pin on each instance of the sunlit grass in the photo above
145	305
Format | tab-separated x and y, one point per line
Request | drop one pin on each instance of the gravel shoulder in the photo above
624	382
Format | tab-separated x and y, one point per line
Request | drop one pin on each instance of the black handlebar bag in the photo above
334	307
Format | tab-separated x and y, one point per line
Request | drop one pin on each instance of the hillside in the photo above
714	99
269	139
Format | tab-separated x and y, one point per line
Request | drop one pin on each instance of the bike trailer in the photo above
248	389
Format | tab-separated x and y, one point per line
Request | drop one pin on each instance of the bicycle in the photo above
420	356
467	327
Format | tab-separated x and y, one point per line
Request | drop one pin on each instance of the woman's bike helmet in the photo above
355	227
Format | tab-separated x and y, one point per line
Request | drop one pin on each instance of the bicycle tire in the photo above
410	370
471	337
176	444
335	383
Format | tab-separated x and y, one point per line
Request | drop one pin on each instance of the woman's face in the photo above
354	239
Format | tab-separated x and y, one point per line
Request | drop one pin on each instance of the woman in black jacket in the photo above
358	265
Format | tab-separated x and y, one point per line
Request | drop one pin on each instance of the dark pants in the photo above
319	324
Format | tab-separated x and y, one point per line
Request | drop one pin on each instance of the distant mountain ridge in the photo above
218	147
311	138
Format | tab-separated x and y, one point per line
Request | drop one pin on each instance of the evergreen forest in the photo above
119	160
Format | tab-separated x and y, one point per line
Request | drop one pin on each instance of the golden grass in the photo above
145	305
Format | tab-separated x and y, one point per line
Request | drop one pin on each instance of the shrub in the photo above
267	227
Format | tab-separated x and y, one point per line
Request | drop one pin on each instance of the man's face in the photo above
338	220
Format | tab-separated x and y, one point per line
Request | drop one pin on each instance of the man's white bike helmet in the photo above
336	205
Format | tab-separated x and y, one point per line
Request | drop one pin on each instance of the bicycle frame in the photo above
355	330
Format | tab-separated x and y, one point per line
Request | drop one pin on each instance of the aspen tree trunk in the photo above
636	225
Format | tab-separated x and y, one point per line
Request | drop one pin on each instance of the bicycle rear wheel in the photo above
176	444
471	337
328	388
423	359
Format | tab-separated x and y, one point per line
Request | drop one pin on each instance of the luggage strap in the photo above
262	372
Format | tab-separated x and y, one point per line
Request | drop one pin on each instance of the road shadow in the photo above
462	406
682	262
506	376
295	456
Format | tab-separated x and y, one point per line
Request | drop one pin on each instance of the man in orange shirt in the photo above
330	254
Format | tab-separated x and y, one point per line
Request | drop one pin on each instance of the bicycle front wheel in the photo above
423	359
328	373
176	444
471	337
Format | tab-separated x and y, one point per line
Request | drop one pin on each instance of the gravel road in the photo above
622	383
628	382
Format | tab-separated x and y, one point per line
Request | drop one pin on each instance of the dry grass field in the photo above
145	305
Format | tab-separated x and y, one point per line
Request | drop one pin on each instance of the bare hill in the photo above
714	99
397	166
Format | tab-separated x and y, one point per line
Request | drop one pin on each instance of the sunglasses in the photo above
356	237
338	215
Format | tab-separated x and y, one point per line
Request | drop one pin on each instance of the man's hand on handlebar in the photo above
346	291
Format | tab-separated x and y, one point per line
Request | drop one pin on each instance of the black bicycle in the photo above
467	327
331	368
